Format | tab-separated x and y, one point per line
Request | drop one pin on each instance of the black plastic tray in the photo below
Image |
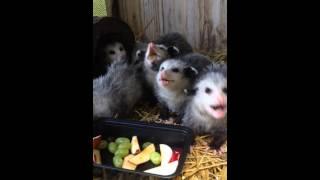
172	135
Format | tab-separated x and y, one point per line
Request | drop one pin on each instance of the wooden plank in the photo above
202	22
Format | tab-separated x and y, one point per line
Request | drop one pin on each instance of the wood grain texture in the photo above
202	22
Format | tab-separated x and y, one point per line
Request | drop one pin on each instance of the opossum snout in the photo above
164	74
151	45
220	99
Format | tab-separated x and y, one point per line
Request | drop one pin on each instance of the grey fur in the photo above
175	39
138	52
198	61
196	117
118	91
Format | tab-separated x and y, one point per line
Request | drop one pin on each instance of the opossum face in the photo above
115	52
156	53
211	95
174	75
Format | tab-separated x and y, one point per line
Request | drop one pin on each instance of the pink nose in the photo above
221	99
151	45
163	74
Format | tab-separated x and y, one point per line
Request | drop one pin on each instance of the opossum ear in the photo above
190	72
173	51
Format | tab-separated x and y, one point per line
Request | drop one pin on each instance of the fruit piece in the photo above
165	170
124	145
120	140
96	156
112	147
175	155
143	156
155	158
146	144
166	154
128	165
117	161
135	148
96	141
121	152
103	144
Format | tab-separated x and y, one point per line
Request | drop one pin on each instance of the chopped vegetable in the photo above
112	147
121	152
175	155
135	148
128	165
164	170
155	158
143	156
120	140
146	144
166	154
117	161
103	144
124	145
96	156
96	141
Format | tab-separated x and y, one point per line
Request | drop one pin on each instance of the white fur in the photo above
216	83
198	113
173	95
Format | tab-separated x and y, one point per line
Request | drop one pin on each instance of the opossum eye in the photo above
208	90
121	48
175	70
224	90
112	52
162	68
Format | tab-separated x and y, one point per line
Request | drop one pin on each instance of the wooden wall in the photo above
203	22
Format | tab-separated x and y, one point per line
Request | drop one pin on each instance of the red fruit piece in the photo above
175	155
96	141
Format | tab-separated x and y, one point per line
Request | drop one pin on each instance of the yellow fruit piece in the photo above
128	165
143	156
135	148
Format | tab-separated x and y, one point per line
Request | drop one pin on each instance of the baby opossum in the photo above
138	52
173	94
116	92
170	45
114	51
177	40
172	79
206	110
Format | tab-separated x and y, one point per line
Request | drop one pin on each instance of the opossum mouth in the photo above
218	111
218	107
165	82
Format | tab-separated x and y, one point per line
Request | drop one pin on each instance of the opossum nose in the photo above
151	45
163	74
221	99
